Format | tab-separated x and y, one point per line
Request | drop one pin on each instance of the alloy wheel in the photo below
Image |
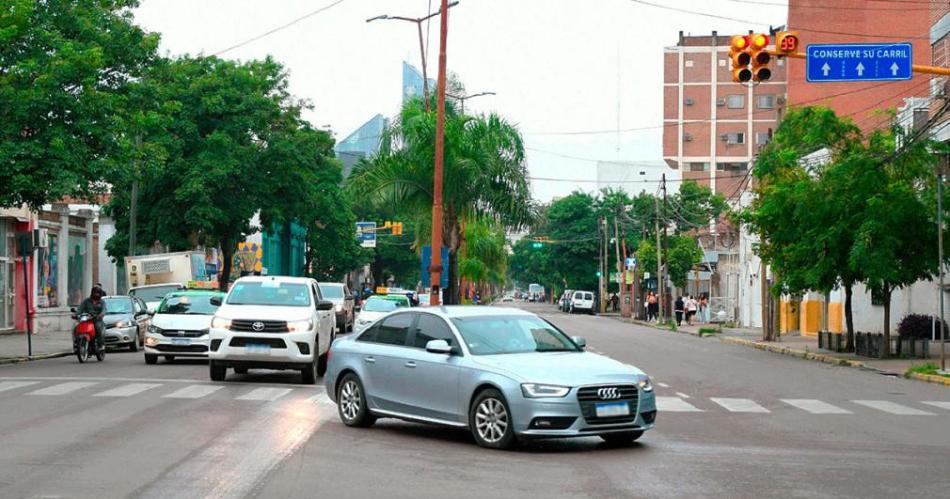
350	399
491	420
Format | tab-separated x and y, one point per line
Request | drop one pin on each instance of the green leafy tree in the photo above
682	254
65	67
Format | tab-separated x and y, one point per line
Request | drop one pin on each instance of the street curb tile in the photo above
17	360
930	378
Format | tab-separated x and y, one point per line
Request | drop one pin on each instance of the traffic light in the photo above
537	245
786	42
739	53
761	58
397	228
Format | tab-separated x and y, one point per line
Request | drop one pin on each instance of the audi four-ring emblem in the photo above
608	393
258	326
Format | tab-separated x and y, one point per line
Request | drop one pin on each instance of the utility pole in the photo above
943	334
659	257
625	307
662	300
133	208
602	283
620	272
435	271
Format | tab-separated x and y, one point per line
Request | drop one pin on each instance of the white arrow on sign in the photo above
860	69
826	69
894	68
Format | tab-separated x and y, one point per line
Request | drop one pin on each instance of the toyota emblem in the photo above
258	326
609	393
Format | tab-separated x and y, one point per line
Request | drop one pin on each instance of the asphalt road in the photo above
733	422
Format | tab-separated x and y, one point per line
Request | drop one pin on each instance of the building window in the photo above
76	270
735	101
698	167
732	167
733	138
766	101
761	138
48	261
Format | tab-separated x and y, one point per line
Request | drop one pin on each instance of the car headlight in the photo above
535	390
151	341
298	326
221	323
155	330
339	308
645	384
121	324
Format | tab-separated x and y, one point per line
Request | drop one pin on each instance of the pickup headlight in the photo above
645	384
534	390
221	323
298	326
154	330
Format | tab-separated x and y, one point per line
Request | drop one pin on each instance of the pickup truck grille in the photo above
247	326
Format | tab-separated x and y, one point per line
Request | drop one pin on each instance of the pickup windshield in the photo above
271	293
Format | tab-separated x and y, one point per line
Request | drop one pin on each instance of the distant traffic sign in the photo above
366	233
859	62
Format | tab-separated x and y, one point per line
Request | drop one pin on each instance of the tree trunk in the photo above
227	254
376	269
886	352
451	295
848	316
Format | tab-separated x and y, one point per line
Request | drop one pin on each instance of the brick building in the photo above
856	21
713	126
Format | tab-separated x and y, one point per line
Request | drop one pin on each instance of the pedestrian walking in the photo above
678	310
614	302
703	309
691	307
654	307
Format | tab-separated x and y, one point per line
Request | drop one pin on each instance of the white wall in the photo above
920	298
107	268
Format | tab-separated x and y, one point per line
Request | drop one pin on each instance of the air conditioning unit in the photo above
780	100
720	102
724	137
688	102
687	138
40	238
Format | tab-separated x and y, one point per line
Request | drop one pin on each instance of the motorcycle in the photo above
84	339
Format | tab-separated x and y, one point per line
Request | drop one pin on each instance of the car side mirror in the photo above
325	305
439	347
579	341
215	300
151	313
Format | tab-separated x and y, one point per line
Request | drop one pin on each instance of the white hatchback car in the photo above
180	325
272	323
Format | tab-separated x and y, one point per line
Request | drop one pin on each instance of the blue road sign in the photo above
425	276
366	233
859	62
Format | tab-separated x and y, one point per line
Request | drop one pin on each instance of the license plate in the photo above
181	341
257	349
612	409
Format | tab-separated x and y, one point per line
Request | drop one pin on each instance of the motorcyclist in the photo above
95	307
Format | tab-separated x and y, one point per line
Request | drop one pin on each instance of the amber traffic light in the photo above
741	58
760	57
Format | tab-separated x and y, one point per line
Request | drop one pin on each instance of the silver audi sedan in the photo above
503	373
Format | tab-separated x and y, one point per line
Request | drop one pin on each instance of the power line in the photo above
747	21
279	28
645	181
799	5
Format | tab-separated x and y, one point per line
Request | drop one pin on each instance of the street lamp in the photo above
422	50
463	98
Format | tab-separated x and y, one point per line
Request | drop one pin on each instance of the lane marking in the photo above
143	380
322	399
683	395
942	405
892	408
13	385
63	388
193	392
267	394
815	406
675	404
128	390
664	385
739	405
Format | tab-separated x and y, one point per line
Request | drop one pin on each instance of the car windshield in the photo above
490	335
118	305
331	292
187	305
155	293
379	305
273	293
399	300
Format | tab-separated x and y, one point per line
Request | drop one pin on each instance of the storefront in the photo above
64	268
12	296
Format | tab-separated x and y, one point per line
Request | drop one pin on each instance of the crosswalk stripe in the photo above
13	385
675	404
664	385
942	405
193	392
892	408
323	399
128	390
815	406
265	394
739	405
63	388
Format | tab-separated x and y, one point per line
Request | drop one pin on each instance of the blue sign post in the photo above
859	62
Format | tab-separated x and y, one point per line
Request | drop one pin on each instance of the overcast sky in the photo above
554	64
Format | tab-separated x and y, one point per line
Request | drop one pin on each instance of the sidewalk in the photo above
46	344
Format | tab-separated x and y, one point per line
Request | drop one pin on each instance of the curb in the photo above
791	352
929	378
17	360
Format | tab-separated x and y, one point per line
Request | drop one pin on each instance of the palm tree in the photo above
485	258
484	174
